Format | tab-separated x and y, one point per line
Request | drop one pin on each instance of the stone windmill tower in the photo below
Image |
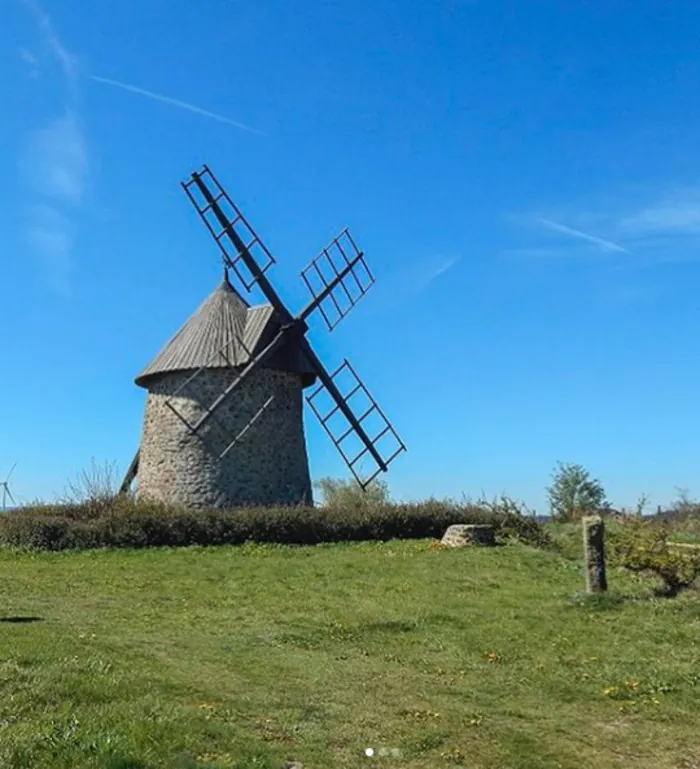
223	424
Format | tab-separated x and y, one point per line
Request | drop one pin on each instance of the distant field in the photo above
249	656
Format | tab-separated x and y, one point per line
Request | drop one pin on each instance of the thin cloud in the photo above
32	62
28	57
675	214
66	60
174	102
443	268
54	165
407	282
607	245
420	276
662	227
50	234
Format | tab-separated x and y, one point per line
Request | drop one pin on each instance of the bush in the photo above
517	522
683	514
642	546
97	485
339	492
126	523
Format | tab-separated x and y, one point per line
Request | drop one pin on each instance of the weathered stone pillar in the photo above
594	553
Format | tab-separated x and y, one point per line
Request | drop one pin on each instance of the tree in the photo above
574	493
345	493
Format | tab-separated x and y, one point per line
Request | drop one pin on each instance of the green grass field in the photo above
250	656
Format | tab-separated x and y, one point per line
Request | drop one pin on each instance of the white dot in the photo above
369	752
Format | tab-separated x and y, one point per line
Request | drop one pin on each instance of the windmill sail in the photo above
238	242
355	424
347	285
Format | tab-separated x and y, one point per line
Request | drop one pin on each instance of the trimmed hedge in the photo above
125	523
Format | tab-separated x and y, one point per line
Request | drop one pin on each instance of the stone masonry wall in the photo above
268	465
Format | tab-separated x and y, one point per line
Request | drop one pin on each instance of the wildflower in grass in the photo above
421	714
454	755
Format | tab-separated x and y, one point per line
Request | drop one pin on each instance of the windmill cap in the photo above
224	322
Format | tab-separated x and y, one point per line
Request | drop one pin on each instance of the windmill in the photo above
6	489
223	423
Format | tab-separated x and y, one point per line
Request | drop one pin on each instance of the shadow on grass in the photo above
20	620
121	762
615	600
602	601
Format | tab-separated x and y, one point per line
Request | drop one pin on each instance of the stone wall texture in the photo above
267	466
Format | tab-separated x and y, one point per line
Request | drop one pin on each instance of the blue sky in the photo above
523	177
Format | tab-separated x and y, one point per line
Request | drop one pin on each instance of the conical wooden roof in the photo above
219	325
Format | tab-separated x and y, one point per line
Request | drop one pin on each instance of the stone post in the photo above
594	552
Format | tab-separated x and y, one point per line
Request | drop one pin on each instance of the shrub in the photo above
642	546
97	485
126	523
517	522
339	492
683	514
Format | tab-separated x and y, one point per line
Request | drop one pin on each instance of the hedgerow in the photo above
124	522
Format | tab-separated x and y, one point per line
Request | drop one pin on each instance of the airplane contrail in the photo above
608	245
174	103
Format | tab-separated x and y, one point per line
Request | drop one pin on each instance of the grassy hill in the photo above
252	655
